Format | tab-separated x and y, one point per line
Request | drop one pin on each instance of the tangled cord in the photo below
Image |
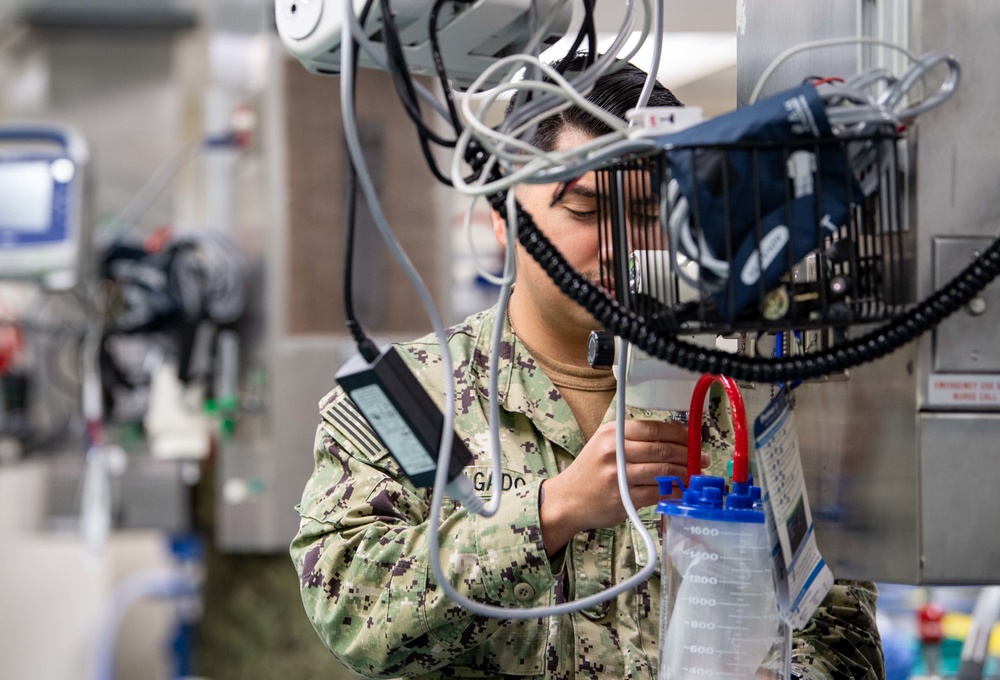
890	336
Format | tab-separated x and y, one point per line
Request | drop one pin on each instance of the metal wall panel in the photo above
959	459
901	484
263	471
765	29
859	441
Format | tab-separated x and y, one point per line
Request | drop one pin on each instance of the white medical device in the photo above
43	229
472	35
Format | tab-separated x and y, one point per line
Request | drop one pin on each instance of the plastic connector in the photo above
460	489
801	168
654	121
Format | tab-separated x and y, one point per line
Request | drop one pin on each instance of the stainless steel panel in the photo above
966	342
858	439
899	493
262	473
765	29
957	165
150	494
959	459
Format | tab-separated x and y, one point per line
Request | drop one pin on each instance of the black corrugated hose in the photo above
626	324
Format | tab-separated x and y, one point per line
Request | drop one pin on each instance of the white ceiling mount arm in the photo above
472	35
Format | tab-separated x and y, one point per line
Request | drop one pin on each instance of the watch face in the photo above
592	342
594	349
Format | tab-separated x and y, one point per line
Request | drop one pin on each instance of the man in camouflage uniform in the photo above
362	547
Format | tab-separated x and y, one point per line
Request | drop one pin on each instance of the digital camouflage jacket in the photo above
361	549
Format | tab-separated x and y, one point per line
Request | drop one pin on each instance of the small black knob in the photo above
601	349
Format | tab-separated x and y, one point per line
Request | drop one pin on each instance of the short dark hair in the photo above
616	92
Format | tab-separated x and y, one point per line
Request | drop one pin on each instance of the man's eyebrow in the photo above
582	191
590	193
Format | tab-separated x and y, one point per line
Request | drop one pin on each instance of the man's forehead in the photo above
569	136
589	186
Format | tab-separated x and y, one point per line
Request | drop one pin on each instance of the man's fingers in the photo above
646	473
655	431
655	452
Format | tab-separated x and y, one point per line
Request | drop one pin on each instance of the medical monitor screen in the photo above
26	194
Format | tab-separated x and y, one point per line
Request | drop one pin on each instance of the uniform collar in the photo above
522	385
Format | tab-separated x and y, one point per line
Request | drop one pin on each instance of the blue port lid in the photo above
706	498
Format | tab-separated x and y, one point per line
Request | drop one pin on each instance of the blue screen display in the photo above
33	196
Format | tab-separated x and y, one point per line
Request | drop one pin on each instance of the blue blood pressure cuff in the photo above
763	189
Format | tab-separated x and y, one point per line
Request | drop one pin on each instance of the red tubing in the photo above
741	456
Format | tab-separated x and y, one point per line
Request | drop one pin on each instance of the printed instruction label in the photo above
803	577
393	430
960	389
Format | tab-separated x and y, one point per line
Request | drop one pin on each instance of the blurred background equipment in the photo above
44	231
193	175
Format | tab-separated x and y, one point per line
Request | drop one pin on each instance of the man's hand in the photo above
585	495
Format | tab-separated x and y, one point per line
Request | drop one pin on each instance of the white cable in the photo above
565	89
477	264
444	454
497	143
552	166
466	491
868	78
144	199
579	85
583	81
371	196
467	229
647	87
535	171
576	605
509	271
898	91
608	150
679	232
817	44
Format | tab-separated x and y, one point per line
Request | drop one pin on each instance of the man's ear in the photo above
499	228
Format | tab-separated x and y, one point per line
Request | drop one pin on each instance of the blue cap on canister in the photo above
705	498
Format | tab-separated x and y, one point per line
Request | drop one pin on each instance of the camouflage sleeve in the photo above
361	555
841	640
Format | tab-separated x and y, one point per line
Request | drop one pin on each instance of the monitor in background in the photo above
43	233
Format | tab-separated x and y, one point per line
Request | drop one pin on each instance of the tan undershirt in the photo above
588	391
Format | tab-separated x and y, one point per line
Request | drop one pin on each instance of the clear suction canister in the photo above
719	616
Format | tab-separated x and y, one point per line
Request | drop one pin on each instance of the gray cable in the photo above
444	453
368	47
585	79
647	87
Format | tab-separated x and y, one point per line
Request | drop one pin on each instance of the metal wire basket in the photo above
756	237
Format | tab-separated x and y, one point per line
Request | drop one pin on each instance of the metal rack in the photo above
818	248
